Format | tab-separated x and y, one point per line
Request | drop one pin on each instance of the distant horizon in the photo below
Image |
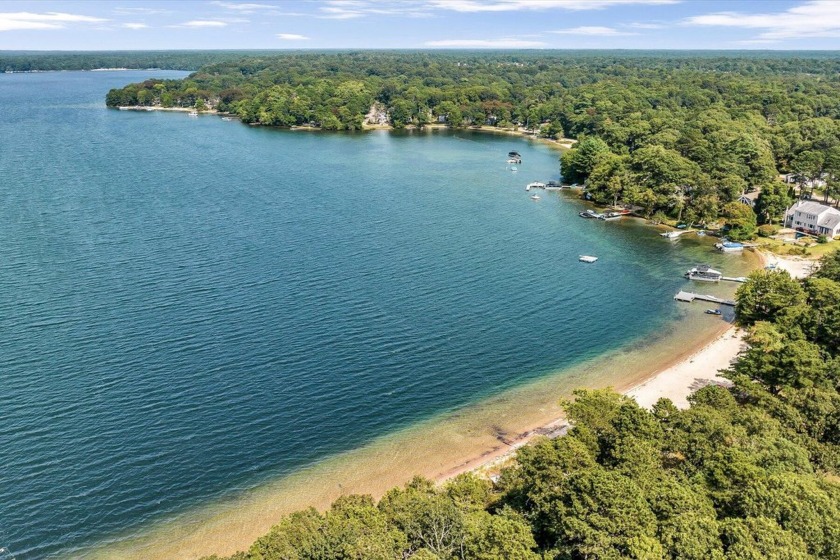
423	49
130	25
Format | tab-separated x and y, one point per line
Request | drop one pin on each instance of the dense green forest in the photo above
45	61
679	134
748	472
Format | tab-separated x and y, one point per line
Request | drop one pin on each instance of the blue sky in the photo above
318	24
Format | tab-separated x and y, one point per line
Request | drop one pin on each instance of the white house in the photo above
796	178
813	217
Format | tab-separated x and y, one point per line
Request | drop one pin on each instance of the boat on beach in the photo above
587	258
704	273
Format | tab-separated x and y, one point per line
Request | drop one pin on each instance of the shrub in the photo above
768	230
822	239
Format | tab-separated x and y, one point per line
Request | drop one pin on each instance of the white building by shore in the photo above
814	218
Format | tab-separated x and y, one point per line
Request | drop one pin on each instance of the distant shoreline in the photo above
561	143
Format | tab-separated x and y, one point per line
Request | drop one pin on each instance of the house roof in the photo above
751	196
831	220
810	207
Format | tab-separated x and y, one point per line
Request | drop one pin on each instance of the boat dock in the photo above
688	297
740	279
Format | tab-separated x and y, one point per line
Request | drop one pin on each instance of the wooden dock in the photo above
690	296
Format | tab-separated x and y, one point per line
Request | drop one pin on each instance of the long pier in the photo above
691	296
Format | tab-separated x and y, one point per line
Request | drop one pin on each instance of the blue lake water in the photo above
191	306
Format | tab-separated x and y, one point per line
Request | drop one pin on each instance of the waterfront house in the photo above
798	179
749	198
814	218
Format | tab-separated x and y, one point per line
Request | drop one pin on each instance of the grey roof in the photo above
831	220
810	207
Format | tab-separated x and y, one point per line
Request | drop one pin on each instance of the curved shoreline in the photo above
480	436
561	143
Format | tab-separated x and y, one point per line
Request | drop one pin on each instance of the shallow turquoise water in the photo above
192	306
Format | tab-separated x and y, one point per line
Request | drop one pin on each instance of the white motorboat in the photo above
704	273
587	258
729	247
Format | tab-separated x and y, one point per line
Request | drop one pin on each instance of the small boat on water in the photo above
704	273
535	197
589	214
535	185
193	113
713	312
671	234
729	247
513	168
610	216
587	258
227	118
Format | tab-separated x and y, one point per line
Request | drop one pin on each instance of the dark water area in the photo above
190	306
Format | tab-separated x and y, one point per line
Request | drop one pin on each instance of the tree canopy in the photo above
684	134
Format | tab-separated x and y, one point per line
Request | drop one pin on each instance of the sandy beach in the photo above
677	381
481	437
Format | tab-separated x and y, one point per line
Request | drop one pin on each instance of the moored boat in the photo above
535	185
729	247
705	273
587	258
589	214
610	216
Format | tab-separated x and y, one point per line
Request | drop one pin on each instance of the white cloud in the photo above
820	18
135	26
197	23
351	9
592	30
292	37
332	12
486	44
518	5
13	21
641	25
